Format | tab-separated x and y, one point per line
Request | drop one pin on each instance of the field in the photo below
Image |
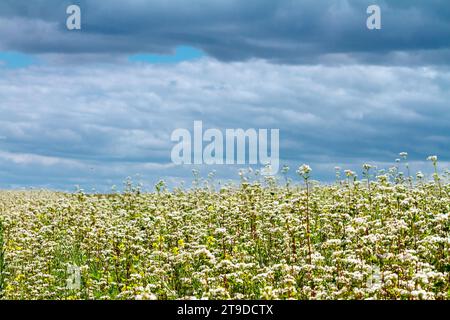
381	236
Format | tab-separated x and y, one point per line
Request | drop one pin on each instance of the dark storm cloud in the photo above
413	32
339	93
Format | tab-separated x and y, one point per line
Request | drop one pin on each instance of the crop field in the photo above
381	236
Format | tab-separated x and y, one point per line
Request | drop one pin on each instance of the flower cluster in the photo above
383	238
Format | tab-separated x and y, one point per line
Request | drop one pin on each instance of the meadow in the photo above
384	235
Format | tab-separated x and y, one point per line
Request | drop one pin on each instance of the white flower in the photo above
220	230
304	171
403	155
349	173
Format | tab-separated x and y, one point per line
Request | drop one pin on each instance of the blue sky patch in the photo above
182	53
16	60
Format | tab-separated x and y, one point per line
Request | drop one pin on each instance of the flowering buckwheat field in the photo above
385	236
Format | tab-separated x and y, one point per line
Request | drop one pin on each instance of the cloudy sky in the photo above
91	107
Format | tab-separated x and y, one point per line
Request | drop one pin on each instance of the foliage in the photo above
384	238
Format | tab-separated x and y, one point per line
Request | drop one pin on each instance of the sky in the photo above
94	106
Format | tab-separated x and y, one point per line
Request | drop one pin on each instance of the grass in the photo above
2	260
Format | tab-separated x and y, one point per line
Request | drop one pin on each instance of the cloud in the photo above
95	125
414	32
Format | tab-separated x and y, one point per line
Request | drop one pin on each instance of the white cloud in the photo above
117	119
33	159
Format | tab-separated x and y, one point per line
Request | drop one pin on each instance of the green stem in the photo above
2	261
